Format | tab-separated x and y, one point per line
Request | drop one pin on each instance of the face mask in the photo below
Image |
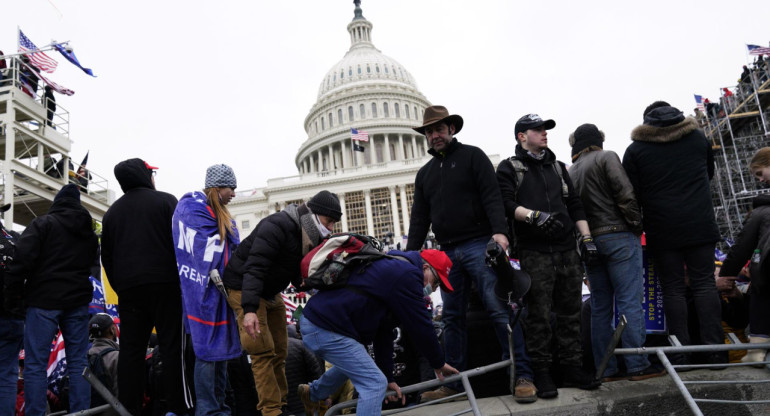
427	290
321	229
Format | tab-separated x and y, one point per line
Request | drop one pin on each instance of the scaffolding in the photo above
31	138
736	132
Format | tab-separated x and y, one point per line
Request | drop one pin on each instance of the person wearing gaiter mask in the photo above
263	266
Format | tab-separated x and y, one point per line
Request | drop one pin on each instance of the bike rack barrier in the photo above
677	347
112	401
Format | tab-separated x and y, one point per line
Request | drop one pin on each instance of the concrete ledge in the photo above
658	396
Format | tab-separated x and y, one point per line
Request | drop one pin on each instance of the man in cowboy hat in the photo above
456	193
545	210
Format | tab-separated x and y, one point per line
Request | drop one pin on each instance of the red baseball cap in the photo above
442	264
150	167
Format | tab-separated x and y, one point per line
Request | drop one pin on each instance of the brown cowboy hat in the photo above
438	113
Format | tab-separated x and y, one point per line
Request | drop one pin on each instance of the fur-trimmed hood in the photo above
649	133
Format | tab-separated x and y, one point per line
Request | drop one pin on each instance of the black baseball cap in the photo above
100	324
532	121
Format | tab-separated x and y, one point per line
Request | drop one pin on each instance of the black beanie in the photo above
656	104
585	136
325	203
68	191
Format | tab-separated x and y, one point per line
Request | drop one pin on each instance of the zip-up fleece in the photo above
456	192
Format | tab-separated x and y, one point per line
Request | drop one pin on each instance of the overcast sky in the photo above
187	84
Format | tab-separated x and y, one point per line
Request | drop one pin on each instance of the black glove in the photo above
546	222
588	251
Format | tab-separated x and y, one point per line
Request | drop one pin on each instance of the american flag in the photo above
39	59
758	50
699	102
359	135
56	87
290	307
57	366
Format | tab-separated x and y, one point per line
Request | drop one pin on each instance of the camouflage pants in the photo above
556	287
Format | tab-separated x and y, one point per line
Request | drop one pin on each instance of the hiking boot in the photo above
440	393
546	388
653	370
303	391
576	376
525	391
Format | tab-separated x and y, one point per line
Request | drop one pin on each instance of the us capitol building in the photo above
366	90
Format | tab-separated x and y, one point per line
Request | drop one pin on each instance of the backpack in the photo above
99	370
328	266
519	168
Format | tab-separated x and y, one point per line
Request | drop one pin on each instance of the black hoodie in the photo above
137	246
54	255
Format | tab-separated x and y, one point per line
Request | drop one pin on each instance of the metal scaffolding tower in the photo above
30	140
736	133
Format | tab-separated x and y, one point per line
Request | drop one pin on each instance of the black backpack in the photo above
99	370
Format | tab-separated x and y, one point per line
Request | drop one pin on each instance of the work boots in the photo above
576	376
756	355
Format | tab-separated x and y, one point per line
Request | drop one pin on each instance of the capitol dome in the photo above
367	91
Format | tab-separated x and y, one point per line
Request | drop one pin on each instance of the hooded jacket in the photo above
456	193
607	195
137	247
388	292
268	259
540	189
670	164
755	234
54	255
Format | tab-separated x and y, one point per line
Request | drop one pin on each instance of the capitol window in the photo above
377	68
323	124
368	69
396	109
350	113
339	116
386	68
362	111
374	110
245	225
406	111
350	71
359	70
385	111
331	121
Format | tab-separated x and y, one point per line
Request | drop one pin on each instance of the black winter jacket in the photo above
754	235
456	193
55	254
8	241
302	367
137	246
540	189
607	195
266	261
670	164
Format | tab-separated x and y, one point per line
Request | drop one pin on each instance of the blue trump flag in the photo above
70	56
199	251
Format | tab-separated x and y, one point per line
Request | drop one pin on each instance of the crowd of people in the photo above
181	270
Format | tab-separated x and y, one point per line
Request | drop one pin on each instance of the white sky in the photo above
186	84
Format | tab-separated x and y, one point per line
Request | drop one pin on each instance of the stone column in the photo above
320	160
344	219
425	144
386	149
404	209
400	153
394	210
312	164
345	159
331	158
414	146
369	218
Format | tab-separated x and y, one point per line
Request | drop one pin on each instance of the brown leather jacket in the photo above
606	193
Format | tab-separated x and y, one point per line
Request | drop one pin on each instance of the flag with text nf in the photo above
758	50
37	58
359	135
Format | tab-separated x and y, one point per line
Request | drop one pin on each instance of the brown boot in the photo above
440	393
525	391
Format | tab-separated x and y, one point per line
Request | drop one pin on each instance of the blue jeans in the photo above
350	360
210	385
618	278
469	265
41	328
11	341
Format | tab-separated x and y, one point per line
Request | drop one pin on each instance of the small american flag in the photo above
359	135
56	87
290	307
699	103
758	50
57	366
39	59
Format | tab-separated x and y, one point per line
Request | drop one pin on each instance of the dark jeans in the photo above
697	264
11	342
468	265
141	309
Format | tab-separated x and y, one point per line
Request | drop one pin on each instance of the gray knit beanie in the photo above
327	204
220	176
